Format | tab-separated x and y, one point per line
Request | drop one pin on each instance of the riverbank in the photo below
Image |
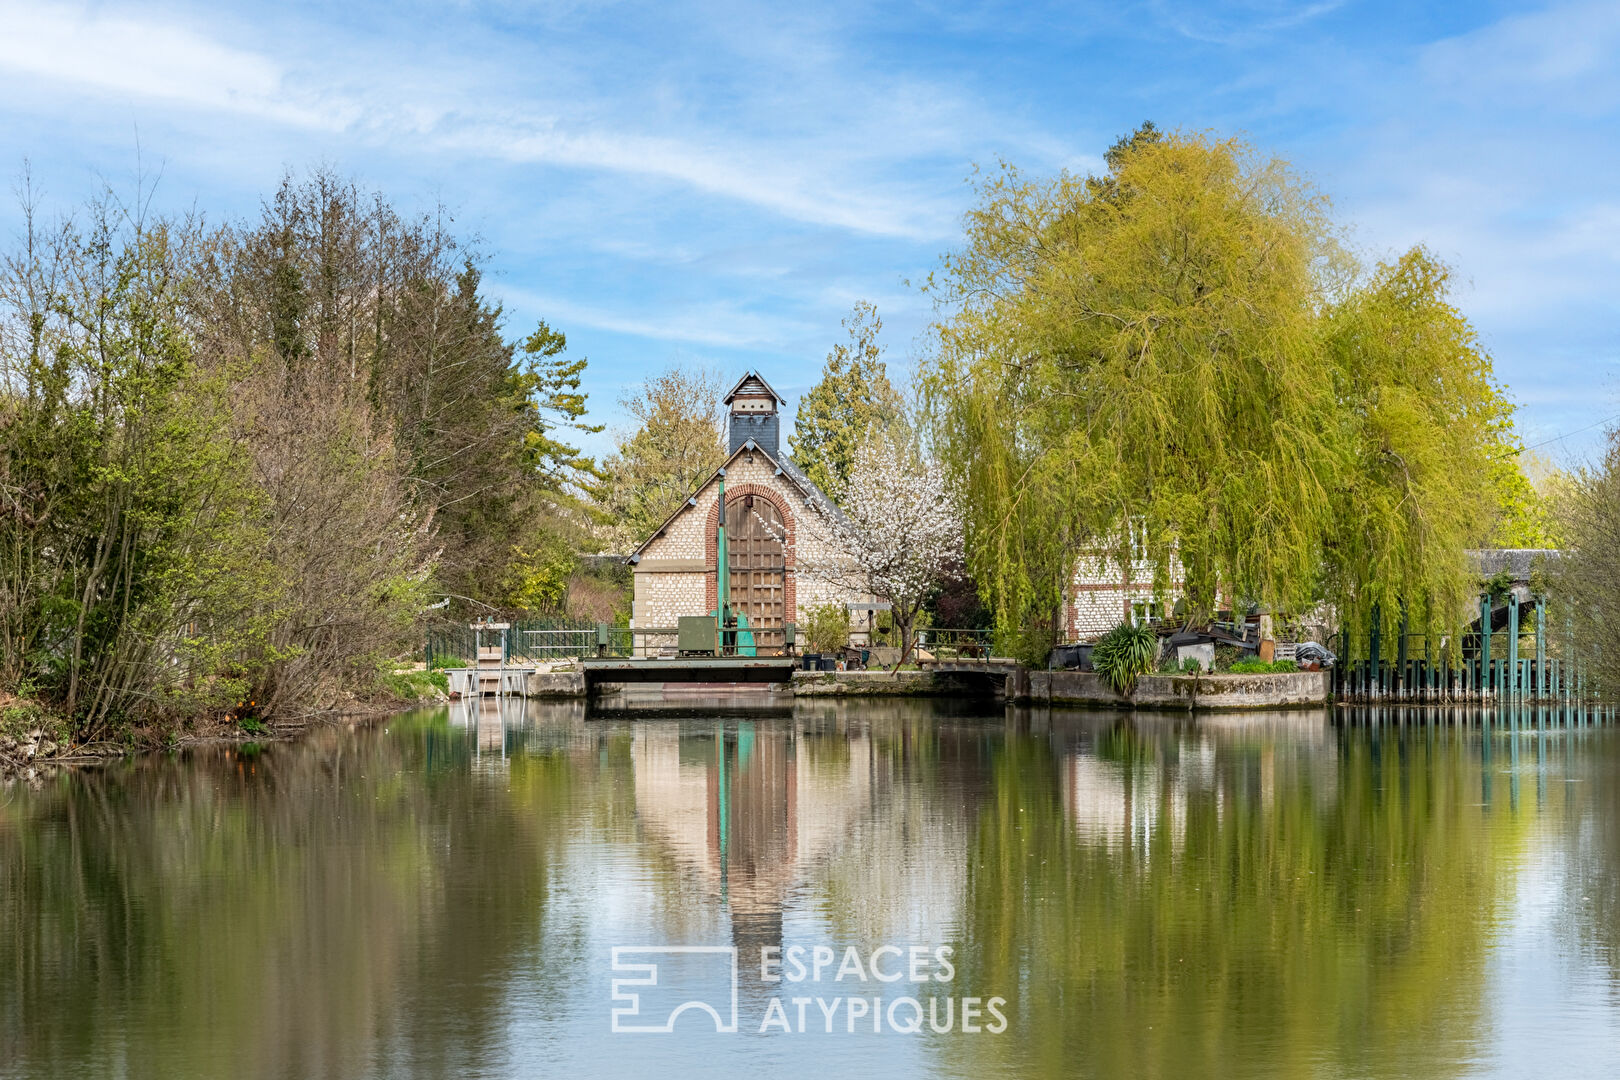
33	740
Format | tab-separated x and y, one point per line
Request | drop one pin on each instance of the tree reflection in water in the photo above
436	896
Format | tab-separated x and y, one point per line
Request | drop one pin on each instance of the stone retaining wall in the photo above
1279	690
555	684
866	684
1178	692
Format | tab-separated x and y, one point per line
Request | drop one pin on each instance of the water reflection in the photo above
437	896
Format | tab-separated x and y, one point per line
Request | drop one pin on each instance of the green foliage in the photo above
1124	653
1425	445
676	446
1138	347
1182	344
230	456
1253	666
838	414
413	685
1585	580
20	717
129	521
537	579
1030	642
826	628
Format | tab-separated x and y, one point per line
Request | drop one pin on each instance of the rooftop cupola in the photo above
754	415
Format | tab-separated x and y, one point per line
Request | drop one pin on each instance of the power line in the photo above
1567	434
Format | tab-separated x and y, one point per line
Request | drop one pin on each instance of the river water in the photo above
1039	894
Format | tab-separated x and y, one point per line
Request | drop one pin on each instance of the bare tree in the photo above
1586	577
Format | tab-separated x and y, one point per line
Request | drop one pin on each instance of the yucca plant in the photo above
1123	653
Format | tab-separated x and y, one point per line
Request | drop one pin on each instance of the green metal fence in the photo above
527	641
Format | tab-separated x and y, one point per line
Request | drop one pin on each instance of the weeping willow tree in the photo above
1182	345
1428	450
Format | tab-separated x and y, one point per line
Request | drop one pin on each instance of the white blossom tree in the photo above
900	530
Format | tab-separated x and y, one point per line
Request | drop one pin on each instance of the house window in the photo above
1137	534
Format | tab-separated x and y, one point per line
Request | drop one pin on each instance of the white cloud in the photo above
131	57
1243	23
712	323
805	177
1563	56
772	187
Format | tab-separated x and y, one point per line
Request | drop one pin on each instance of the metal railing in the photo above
1418	679
955	644
539	641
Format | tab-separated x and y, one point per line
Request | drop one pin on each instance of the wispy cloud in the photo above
159	60
702	177
127	56
717	324
1242	23
1563	56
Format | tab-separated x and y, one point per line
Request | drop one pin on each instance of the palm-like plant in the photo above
1123	653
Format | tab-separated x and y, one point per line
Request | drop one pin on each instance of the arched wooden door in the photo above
757	543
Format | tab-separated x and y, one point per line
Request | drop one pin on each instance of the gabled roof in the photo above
752	384
813	495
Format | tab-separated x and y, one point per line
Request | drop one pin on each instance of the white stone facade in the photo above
674	572
1106	592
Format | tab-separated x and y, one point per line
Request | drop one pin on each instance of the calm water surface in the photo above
442	896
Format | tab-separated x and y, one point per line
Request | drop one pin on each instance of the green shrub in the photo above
826	628
1262	667
1124	653
1031	643
21	717
413	685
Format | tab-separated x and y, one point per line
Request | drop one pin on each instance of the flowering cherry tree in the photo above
900	529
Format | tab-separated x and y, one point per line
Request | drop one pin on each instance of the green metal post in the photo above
1376	674
1400	652
1513	643
1484	642
1541	645
722	570
1569	654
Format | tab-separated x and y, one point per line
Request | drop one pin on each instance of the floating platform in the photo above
688	669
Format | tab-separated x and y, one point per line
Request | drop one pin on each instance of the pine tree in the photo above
837	415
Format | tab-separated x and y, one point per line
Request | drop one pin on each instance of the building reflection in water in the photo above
740	807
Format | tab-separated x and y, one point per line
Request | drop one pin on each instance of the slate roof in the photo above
752	383
807	487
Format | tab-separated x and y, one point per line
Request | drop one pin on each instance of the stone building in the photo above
778	530
1106	591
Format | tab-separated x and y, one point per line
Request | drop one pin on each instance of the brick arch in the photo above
711	578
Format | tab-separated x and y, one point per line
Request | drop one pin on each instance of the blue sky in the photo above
718	183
